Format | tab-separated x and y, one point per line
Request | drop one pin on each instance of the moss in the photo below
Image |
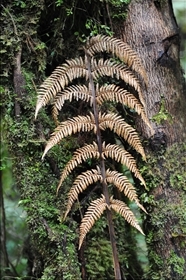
51	246
177	263
165	225
163	114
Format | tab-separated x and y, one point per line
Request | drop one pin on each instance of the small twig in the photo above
30	43
110	20
34	85
46	227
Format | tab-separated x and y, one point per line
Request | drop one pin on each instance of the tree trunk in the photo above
151	30
49	29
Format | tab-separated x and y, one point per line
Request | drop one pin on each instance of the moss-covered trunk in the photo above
151	29
48	245
36	37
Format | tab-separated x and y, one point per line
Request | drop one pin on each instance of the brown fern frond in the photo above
123	185
117	47
117	94
120	155
114	69
77	92
94	212
80	184
121	208
80	155
121	128
66	128
57	81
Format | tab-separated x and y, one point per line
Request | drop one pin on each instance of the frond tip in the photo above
117	47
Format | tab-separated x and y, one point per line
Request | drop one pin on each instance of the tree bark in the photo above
151	29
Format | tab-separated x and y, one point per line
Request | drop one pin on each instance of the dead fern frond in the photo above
66	128
121	208
117	47
123	185
117	94
80	184
57	89
60	78
80	155
120	155
77	92
114	69
94	212
121	128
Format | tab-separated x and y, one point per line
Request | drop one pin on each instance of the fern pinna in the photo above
58	88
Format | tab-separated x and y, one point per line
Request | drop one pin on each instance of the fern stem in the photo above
95	107
103	173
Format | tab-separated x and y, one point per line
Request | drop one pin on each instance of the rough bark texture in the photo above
152	31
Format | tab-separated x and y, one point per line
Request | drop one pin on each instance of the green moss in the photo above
163	114
52	246
165	176
177	263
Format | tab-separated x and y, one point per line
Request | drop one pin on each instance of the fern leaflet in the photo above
120	155
66	128
121	128
94	212
123	185
121	208
80	184
57	81
80	155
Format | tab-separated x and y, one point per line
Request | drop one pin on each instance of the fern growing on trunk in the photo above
57	89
